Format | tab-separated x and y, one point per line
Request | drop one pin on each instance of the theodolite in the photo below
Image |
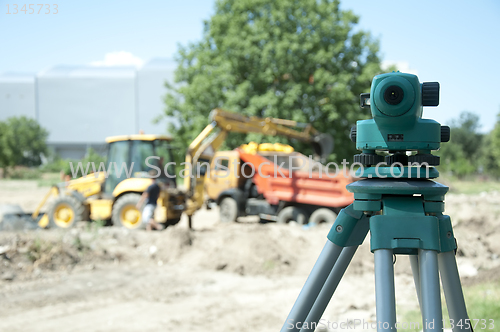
399	205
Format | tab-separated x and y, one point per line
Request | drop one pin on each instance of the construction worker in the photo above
150	196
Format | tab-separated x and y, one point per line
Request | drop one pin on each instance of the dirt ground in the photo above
218	277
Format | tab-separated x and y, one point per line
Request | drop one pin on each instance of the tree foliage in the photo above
463	155
491	150
300	60
22	142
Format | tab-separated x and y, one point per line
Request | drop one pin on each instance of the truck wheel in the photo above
228	210
65	211
323	215
125	213
293	213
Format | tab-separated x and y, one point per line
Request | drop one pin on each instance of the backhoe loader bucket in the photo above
13	218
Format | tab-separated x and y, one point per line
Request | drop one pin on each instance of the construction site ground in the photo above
218	277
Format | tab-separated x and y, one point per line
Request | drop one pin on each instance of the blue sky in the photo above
454	42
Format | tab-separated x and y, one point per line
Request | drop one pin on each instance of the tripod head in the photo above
397	128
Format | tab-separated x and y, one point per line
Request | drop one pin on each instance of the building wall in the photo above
151	91
17	95
85	105
80	105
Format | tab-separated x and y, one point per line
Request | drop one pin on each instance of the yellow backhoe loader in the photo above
114	193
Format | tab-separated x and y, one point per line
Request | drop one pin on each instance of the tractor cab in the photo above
139	156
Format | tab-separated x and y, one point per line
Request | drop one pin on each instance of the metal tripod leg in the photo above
329	288
416	277
349	231
312	287
450	280
385	296
453	291
432	315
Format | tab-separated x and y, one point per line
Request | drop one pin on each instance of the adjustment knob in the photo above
445	134
352	134
430	94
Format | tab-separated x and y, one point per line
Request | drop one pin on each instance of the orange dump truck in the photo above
277	186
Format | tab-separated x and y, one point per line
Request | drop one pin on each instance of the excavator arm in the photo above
204	146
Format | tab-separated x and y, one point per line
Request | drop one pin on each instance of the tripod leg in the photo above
416	278
350	229
312	287
329	288
453	291
432	314
384	290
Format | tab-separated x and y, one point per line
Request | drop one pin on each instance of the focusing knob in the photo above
396	158
352	134
445	134
366	159
430	94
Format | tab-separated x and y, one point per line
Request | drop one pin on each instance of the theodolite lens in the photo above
393	95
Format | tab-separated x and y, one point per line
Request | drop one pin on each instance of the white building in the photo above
17	95
81	105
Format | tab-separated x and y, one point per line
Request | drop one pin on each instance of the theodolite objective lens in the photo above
393	95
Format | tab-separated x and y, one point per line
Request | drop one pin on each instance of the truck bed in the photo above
301	186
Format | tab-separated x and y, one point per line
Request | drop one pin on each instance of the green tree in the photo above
491	148
301	60
465	132
463	155
5	152
22	141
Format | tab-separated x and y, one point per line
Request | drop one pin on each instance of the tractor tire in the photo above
228	210
65	211
323	215
293	213
125	213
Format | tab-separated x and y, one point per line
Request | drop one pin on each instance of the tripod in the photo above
411	223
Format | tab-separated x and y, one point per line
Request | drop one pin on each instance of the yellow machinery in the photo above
113	196
100	197
202	149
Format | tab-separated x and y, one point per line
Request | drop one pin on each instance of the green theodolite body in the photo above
397	127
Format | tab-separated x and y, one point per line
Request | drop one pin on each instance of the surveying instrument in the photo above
401	207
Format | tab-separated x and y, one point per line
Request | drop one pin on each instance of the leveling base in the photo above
403	217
